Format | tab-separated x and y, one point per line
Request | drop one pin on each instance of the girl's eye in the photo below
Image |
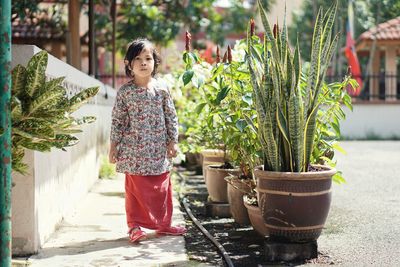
149	58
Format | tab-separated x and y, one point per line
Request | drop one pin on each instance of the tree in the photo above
162	20
23	9
29	12
365	14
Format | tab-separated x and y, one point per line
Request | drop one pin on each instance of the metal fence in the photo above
369	82
376	82
107	79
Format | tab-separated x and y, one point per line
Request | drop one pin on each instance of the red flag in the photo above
351	54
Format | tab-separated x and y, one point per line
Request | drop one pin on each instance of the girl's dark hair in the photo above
134	49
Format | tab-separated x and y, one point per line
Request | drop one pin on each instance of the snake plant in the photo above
286	113
41	112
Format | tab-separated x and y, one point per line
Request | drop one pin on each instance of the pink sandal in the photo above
172	230
136	234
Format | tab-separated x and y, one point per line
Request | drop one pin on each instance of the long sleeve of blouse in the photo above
171	119
120	118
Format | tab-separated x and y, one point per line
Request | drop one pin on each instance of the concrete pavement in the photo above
363	227
95	235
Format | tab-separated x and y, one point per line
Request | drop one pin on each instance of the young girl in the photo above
144	137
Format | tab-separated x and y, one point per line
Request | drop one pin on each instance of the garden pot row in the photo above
288	206
224	186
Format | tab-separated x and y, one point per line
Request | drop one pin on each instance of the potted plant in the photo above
194	135
41	111
204	133
220	116
227	102
242	142
293	194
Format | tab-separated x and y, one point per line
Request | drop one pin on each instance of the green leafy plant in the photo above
107	169
333	99
225	105
202	124
41	112
240	114
287	100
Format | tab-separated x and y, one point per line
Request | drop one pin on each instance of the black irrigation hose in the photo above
220	248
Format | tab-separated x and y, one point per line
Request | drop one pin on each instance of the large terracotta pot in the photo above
216	184
236	190
295	205
256	218
211	157
193	159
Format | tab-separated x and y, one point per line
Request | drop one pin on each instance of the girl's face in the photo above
143	64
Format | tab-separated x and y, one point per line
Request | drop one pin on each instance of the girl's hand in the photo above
172	150
112	155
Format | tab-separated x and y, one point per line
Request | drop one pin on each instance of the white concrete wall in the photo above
372	120
58	180
23	219
277	12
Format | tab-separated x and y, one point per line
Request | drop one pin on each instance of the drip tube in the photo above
220	248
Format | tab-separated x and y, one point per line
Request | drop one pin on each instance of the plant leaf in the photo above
16	109
241	124
64	140
187	77
315	64
221	95
34	128
36	72
248	99
199	108
51	85
309	132
47	99
18	80
85	120
41	146
82	97
268	32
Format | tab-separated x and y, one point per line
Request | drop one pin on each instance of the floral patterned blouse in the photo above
142	126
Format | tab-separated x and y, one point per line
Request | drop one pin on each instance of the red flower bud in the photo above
218	58
349	71
225	59
188	38
252	27
229	54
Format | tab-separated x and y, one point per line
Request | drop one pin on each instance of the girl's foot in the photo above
172	230
136	234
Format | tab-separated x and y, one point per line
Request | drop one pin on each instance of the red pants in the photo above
148	200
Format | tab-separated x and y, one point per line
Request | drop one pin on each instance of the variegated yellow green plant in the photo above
41	112
286	112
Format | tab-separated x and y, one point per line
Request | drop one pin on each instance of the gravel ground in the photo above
362	227
243	244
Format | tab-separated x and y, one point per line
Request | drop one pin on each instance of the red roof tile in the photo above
38	28
389	30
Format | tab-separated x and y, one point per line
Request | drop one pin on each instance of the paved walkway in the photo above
363	227
95	235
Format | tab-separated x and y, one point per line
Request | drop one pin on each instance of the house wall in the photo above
277	11
57	181
372	120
